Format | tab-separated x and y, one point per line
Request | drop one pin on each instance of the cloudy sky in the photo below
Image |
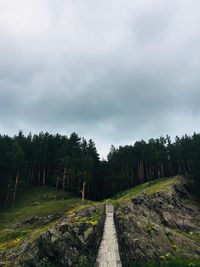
112	70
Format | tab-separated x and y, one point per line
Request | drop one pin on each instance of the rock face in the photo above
72	241
153	226
159	226
38	220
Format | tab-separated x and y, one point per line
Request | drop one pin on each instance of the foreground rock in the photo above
159	226
72	241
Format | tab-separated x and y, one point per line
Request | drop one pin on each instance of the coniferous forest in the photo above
73	164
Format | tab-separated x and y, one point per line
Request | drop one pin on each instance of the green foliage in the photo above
147	161
46	263
67	162
83	262
43	159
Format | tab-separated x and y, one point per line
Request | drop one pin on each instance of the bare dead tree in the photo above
83	191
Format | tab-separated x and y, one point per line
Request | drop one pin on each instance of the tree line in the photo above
73	164
157	158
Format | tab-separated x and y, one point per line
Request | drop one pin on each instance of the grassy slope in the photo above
161	185
36	201
151	187
46	200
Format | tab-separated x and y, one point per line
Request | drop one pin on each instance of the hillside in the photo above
156	221
36	210
159	222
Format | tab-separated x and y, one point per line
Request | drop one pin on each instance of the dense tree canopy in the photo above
70	162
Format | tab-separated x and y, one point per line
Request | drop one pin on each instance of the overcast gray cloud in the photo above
114	71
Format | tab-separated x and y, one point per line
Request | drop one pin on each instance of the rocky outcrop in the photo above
159	226
38	220
156	226
72	241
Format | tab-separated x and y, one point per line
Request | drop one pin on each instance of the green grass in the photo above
39	201
44	200
192	235
10	238
9	234
160	185
35	201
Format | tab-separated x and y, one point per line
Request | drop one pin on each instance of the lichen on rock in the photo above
151	226
69	241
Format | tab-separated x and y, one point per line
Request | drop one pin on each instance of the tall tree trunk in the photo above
189	167
147	171
169	168
141	170
39	177
83	192
57	183
32	172
64	183
44	176
15	188
162	170
179	168
67	181
150	171
8	193
48	171
139	175
29	175
158	171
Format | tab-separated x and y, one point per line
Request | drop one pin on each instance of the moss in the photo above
174	246
9	234
7	263
92	222
191	235
44	200
36	201
11	238
39	231
79	207
93	219
162	258
149	227
160	185
10	243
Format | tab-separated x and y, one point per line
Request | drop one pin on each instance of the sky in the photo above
115	71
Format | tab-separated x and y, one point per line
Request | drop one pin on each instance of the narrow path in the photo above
108	254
